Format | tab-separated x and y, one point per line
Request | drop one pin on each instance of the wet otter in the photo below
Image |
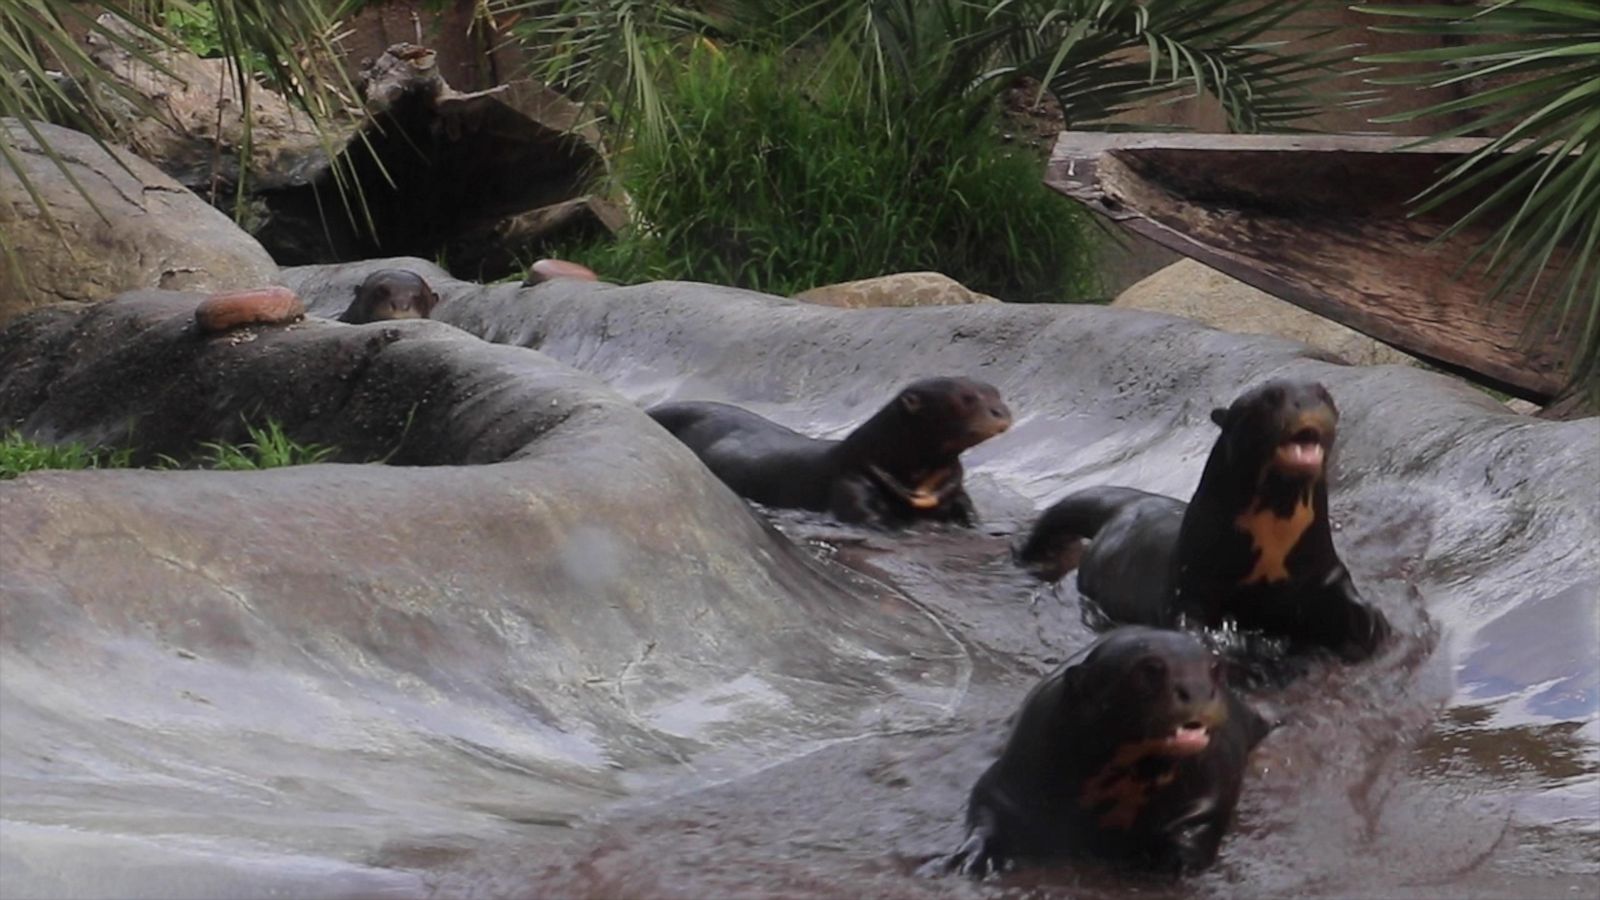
899	466
1253	545
389	294
1135	752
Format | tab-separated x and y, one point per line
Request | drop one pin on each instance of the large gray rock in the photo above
544	605
1196	291
567	663
137	228
1476	530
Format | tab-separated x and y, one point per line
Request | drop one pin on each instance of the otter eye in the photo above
1151	671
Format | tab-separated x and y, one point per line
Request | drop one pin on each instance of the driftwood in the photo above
1321	221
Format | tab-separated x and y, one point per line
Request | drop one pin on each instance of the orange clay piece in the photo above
257	306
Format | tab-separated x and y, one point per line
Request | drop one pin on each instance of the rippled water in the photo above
1374	786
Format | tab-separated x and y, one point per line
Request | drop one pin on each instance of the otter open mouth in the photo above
1302	454
1188	739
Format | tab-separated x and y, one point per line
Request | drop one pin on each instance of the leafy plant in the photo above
769	184
19	455
934	57
287	43
1531	70
268	448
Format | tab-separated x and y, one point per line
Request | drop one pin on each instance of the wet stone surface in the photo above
552	657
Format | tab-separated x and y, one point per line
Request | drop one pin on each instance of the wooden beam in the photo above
1321	221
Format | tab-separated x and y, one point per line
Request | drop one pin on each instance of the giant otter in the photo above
1135	752
1253	545
389	294
899	466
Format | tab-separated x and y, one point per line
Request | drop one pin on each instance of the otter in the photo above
1134	751
1253	545
390	294
901	465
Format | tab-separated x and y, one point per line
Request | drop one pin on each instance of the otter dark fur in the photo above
1253	545
901	465
390	294
1135	752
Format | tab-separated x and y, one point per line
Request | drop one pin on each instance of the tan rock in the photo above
1196	291
901	289
143	229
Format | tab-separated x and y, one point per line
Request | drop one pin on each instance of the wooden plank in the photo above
1320	221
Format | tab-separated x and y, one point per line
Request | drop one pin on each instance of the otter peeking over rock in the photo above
900	466
390	294
1253	545
1134	753
258	306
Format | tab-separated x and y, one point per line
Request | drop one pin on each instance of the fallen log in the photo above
1322	222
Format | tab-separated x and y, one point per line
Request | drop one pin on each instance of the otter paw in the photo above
978	857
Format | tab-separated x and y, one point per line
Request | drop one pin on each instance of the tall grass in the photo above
772	182
269	447
18	455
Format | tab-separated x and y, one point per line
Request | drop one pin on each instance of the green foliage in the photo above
1097	57
268	448
1531	69
19	455
279	41
778	184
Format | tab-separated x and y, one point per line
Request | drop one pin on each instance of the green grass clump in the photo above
778	183
18	455
268	448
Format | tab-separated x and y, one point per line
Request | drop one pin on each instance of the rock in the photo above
901	289
544	606
143	229
1195	291
195	124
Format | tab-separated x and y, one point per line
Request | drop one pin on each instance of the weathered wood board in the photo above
1321	221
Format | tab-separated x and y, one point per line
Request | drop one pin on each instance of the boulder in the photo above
1195	291
137	228
543	605
193	128
901	289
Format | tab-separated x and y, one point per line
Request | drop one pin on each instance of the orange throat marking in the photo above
1274	537
930	492
1118	786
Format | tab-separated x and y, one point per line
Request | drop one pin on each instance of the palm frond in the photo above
1531	72
47	75
1100	58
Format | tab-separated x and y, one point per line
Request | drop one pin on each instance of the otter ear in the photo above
1220	416
911	401
430	300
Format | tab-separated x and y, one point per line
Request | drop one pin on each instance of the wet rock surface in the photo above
396	659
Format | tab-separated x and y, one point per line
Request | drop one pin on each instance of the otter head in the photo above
1148	692
1281	428
953	414
390	294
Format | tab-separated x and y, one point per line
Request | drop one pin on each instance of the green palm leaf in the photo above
1531	69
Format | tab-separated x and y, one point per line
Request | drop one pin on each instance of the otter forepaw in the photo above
978	857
